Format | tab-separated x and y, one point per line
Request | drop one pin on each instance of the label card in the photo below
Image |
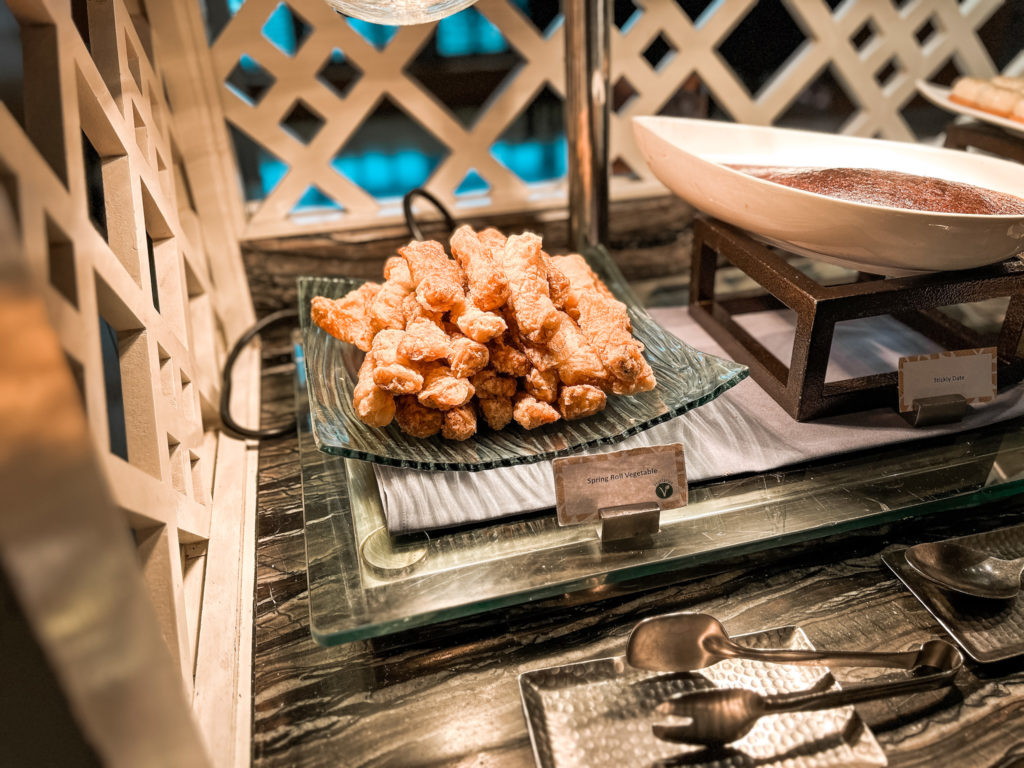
967	372
586	484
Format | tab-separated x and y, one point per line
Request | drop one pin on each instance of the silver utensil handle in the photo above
900	660
803	701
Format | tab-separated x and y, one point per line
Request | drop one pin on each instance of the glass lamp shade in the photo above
399	11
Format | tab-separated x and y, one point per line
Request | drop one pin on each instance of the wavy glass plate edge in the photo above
334	424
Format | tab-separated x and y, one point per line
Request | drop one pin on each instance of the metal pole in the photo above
587	41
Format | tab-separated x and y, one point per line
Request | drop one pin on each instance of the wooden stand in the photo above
989	138
800	387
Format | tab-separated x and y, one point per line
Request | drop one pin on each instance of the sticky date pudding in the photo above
891	188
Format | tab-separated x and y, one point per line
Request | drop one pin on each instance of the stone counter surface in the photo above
448	695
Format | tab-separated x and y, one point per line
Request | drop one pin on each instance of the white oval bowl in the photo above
689	156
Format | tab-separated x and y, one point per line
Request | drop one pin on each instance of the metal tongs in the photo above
683	642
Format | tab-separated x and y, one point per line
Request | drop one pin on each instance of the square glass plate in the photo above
989	630
599	713
686	377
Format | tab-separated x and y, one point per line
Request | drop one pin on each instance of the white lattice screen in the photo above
109	228
873	49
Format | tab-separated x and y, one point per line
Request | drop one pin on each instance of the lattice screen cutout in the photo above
107	224
296	105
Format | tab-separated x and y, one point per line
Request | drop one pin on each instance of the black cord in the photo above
410	220
225	386
291	314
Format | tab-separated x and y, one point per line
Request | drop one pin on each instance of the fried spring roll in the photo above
347	318
392	371
442	390
485	275
415	419
531	413
373	405
437	279
580	401
529	295
459	423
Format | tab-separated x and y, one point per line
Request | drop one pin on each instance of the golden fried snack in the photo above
424	340
540	355
529	296
494	241
485	274
488	383
643	383
580	401
466	357
605	324
392	371
437	279
578	363
413	311
497	411
388	308
507	359
415	419
442	390
475	323
373	405
582	280
347	318
531	412
396	269
558	284
543	385
459	423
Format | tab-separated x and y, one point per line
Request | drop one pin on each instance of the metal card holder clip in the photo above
942	409
628	522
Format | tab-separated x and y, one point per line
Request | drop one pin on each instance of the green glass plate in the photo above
686	377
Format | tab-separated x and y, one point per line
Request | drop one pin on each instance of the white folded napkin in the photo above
742	431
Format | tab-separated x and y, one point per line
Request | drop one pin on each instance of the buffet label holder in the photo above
800	388
610	488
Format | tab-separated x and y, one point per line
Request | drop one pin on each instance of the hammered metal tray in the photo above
988	630
599	713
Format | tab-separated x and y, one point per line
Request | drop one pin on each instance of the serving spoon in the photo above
963	569
682	642
723	715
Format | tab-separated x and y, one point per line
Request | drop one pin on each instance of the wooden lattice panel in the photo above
109	230
874	50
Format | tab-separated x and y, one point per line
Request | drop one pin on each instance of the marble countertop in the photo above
448	695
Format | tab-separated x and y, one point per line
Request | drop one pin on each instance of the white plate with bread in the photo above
1008	110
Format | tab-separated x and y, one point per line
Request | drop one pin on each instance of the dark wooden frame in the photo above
800	387
986	137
